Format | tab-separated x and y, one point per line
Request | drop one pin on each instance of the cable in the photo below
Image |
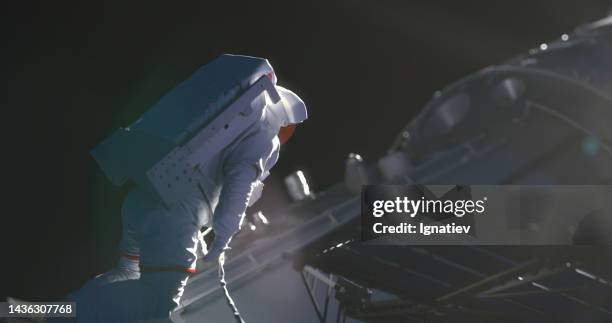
228	298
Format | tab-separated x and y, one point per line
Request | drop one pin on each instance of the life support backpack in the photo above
187	126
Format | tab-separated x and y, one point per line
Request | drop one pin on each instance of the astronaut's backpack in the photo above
191	123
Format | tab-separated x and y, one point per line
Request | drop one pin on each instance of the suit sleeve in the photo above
241	168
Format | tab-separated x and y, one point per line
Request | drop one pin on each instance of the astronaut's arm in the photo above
240	179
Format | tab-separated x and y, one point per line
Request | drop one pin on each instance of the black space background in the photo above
72	72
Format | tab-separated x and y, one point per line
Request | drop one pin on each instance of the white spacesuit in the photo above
159	242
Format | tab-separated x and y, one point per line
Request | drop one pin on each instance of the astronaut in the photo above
161	234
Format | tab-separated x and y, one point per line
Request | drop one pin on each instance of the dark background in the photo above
73	72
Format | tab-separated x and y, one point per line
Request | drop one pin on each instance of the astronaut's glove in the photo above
215	250
126	269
